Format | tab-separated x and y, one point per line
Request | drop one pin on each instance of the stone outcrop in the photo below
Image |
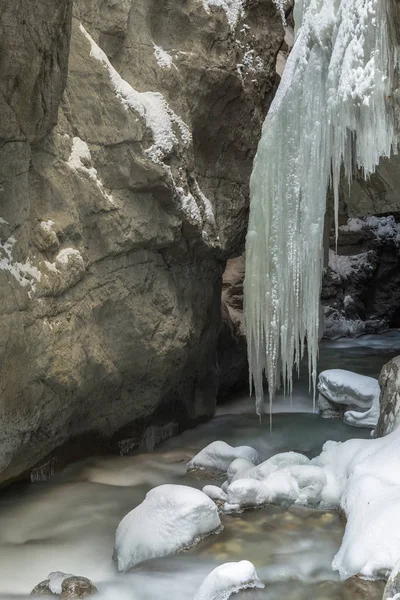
232	345
115	225
389	381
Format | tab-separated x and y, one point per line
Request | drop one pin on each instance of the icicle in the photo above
330	113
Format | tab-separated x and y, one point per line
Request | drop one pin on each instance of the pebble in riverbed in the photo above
69	587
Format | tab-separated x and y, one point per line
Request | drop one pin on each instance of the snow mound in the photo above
219	455
228	579
170	519
214	492
345	387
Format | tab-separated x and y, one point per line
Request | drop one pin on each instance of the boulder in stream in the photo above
65	586
171	518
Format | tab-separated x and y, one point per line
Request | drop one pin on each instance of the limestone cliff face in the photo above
116	223
389	381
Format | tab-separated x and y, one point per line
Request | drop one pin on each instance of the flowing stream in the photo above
68	523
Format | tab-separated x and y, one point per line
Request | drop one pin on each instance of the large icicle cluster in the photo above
332	109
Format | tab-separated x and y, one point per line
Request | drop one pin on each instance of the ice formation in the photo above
332	109
219	455
228	579
171	518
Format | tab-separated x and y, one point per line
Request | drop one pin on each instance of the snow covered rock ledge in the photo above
346	394
229	579
170	519
217	456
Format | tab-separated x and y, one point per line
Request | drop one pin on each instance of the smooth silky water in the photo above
68	523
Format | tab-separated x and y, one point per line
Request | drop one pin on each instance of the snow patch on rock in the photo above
25	273
170	519
227	579
163	58
80	152
151	106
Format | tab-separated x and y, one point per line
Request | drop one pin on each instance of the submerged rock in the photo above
171	518
65	586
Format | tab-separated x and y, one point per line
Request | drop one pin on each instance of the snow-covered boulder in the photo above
170	519
217	456
228	579
346	393
215	493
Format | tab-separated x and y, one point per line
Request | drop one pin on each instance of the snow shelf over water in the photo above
361	477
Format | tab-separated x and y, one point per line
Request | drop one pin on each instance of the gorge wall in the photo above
127	135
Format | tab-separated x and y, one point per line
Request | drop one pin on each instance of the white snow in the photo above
345	387
170	519
234	9
55	581
219	455
80	152
164	60
151	106
228	579
331	109
25	273
64	256
368	419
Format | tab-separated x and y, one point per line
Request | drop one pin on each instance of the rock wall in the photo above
389	382
116	224
361	284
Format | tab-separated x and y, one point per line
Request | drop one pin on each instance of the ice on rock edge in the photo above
228	579
170	519
331	109
151	106
219	455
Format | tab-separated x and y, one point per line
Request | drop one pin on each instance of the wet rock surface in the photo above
70	587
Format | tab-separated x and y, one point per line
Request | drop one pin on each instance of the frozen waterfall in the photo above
332	115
